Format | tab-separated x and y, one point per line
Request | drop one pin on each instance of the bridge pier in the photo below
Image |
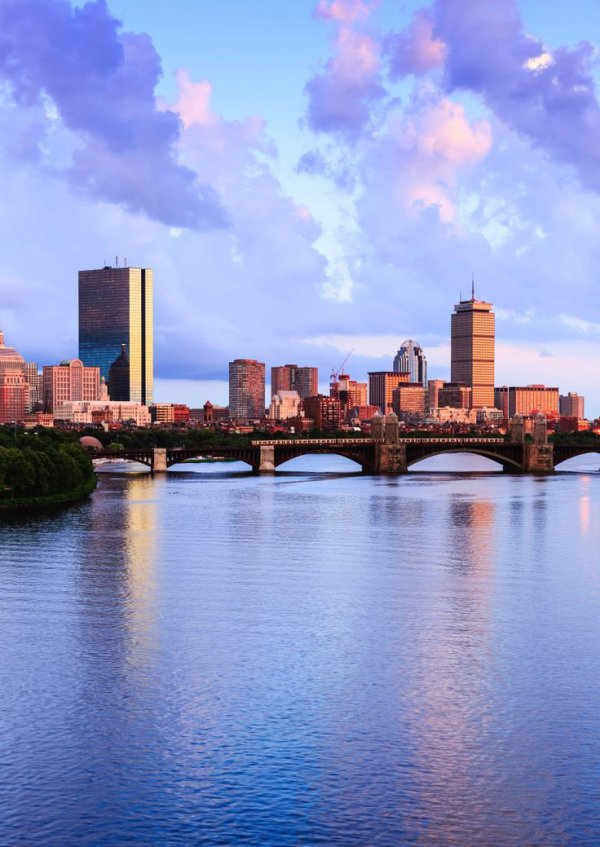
391	459
266	462
538	458
159	460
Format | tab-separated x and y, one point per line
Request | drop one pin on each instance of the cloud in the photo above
342	96
344	11
99	82
548	97
417	50
580	325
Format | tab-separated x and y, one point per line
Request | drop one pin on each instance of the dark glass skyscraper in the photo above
115	308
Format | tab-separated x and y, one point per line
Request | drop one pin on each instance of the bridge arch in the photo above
216	460
356	466
506	462
560	462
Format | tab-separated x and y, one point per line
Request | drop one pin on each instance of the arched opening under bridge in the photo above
461	461
320	463
586	462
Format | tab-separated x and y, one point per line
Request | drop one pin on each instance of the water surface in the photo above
213	657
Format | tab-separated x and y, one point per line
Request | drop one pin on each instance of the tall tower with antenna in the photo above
473	348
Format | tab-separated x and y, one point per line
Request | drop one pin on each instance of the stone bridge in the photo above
385	453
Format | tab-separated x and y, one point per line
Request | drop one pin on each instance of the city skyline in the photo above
349	220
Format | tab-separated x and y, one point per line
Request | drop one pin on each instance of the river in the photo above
313	657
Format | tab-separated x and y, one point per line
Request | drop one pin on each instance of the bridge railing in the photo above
292	442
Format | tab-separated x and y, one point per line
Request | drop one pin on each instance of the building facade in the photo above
304	380
433	389
326	412
411	359
115	308
284	405
572	405
381	386
103	411
246	389
455	394
13	387
349	392
69	381
472	349
33	378
527	400
409	401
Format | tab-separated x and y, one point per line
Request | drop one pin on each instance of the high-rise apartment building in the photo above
304	380
69	382
472	349
381	386
13	387
572	405
411	359
246	389
115	308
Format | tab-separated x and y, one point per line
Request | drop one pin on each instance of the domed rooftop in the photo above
88	442
8	355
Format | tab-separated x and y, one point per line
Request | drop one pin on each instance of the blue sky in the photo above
306	178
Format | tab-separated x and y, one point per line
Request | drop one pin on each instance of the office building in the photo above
381	386
472	349
69	381
304	380
527	400
13	387
572	405
246	389
409	401
116	308
411	359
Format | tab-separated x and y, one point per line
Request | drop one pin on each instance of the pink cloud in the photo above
344	11
416	51
342	95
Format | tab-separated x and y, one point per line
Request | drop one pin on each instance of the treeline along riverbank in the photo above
42	469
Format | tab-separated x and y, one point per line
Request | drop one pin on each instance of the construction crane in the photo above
333	376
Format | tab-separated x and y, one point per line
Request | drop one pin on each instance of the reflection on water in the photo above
312	657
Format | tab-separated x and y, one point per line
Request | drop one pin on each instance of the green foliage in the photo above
42	466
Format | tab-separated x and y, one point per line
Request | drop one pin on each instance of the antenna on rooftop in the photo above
125	262
472	286
116	261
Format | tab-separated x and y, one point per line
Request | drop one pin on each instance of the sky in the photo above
306	179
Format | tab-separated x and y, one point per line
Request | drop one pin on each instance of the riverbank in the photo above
63	499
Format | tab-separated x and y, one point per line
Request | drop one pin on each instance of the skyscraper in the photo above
116	308
472	349
411	359
246	389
